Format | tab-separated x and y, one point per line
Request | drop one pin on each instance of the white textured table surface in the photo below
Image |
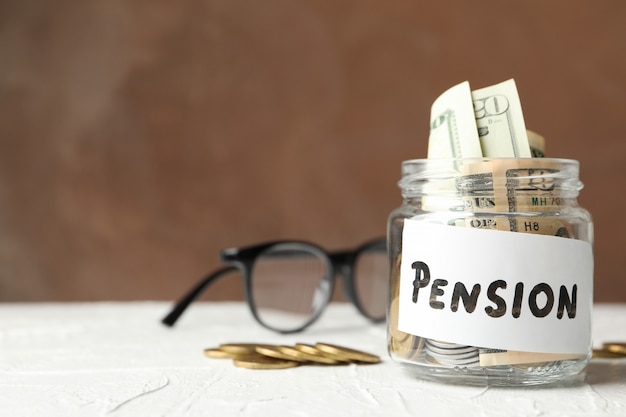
116	359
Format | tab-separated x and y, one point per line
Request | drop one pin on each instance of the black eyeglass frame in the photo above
243	259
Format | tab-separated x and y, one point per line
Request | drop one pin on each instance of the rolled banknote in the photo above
453	136
544	225
512	185
495	357
488	122
537	144
453	131
500	121
509	186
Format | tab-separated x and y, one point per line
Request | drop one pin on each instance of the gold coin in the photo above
605	354
218	353
615	347
393	322
240	348
276	353
302	356
348	353
263	362
397	337
407	348
312	350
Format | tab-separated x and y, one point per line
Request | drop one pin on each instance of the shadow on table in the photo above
606	371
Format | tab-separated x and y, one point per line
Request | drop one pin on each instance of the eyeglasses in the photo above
288	284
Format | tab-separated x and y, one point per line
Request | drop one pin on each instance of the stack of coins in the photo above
611	350
265	356
451	354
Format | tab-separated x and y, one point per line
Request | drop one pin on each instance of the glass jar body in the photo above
449	205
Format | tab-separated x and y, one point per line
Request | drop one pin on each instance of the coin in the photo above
265	356
316	355
395	334
605	354
615	347
263	362
240	347
447	345
312	350
449	348
348	353
291	353
275	352
455	361
452	354
217	353
404	348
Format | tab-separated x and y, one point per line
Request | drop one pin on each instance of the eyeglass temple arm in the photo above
184	302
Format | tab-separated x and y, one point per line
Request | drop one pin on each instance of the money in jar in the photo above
493	271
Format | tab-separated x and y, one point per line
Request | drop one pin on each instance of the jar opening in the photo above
488	176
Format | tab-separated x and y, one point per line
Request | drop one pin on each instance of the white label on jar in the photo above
496	289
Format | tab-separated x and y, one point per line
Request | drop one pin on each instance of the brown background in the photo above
138	138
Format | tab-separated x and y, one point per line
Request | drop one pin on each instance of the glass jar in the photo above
491	271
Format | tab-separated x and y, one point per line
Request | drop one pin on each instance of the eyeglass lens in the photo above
371	273
289	286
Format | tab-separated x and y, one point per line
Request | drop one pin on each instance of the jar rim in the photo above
416	173
448	161
452	165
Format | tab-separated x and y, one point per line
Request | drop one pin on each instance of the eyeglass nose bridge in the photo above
341	260
343	264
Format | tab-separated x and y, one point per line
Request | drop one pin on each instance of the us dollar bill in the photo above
495	357
537	144
512	185
544	225
453	131
500	121
488	122
453	135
